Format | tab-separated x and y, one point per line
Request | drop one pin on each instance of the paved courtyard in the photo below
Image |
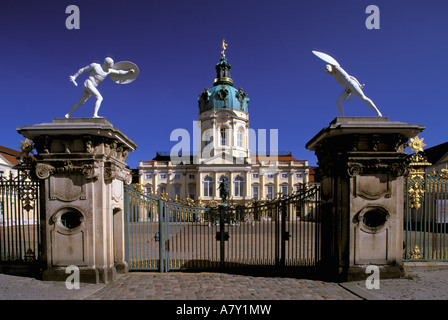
430	285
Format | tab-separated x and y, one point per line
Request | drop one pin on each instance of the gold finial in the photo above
224	47
415	253
26	146
138	187
417	144
444	173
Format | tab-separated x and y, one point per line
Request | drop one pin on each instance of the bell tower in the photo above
224	117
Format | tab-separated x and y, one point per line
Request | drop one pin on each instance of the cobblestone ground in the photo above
429	285
217	286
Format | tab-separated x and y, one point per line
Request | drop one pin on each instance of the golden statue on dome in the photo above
224	47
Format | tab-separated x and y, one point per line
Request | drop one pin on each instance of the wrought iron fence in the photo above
164	235
426	216
282	232
426	209
20	239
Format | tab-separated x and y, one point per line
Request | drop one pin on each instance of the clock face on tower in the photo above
222	117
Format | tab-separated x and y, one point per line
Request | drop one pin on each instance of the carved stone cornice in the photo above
49	146
113	171
371	166
350	167
89	170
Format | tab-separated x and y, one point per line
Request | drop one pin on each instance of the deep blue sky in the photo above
176	45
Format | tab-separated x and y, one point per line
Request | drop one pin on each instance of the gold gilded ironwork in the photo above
415	253
444	174
163	196
26	146
417	164
417	144
188	202
416	192
138	187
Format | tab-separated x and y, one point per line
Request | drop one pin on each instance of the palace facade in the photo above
223	123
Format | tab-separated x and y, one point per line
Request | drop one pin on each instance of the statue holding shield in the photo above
121	72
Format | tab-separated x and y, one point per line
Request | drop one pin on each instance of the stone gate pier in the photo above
362	163
81	163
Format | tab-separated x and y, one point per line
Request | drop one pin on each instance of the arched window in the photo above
207	136
239	137
223	135
161	189
239	186
208	186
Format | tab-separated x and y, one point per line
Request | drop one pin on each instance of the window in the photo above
270	192
163	176
191	176
239	137
255	175
206	136
176	176
148	176
255	192
208	186
223	134
162	189
284	175
270	176
284	190
177	191
239	186
299	175
191	191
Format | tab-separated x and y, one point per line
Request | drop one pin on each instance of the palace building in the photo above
223	123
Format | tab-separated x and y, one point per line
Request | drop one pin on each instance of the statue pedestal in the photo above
81	162
361	167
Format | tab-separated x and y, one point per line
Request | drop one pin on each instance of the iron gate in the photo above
20	238
426	212
164	235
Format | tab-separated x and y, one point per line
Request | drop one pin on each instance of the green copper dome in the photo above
223	95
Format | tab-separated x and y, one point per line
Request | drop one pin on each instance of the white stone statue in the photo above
97	74
351	84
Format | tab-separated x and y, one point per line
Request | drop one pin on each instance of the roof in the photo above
282	156
279	158
312	173
10	155
436	153
223	95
